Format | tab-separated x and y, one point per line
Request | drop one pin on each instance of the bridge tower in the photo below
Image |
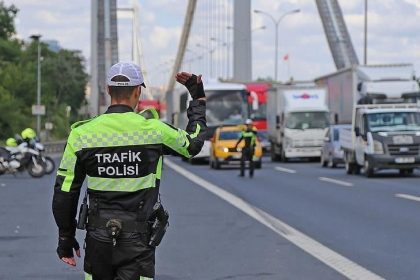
104	50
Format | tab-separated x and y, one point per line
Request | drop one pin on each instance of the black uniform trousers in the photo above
247	155
129	259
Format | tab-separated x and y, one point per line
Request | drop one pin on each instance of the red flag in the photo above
286	57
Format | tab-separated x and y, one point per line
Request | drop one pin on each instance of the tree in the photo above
7	17
63	84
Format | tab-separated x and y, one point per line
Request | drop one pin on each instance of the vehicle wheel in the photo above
349	168
49	165
331	163
406	172
283	157
274	156
369	171
36	170
216	164
323	162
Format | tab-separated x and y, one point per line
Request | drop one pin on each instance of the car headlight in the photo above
377	147
239	149
223	149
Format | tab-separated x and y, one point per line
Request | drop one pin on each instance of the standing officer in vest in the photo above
249	135
120	153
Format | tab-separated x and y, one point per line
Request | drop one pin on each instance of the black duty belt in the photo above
127	226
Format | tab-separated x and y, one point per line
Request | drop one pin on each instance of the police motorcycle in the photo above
30	137
47	161
18	156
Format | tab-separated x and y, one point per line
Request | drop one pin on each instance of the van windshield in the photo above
394	121
307	120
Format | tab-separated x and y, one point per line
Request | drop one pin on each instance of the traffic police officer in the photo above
120	153
249	136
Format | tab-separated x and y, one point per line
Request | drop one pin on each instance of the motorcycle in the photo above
47	161
20	158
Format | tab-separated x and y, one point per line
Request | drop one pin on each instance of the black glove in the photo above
66	246
196	89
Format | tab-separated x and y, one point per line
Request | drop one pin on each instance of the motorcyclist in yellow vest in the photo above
249	135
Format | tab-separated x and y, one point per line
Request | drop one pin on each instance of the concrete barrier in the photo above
56	147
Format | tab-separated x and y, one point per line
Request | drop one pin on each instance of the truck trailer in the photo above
382	104
297	117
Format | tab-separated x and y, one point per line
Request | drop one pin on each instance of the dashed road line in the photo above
408	196
335	181
287	170
341	264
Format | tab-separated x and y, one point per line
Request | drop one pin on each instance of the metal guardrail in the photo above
56	147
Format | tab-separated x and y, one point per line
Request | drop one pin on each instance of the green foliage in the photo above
7	16
63	82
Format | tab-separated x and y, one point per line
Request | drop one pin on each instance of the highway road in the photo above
291	221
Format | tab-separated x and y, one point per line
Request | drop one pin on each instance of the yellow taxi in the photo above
222	149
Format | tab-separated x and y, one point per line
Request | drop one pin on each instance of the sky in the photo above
393	33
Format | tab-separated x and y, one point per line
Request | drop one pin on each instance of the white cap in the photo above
127	69
248	121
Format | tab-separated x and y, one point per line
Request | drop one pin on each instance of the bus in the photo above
227	104
149	103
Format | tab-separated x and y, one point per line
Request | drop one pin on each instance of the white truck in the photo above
297	117
382	104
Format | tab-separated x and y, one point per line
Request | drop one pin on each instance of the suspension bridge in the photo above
216	40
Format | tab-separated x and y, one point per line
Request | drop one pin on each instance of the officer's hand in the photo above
65	248
193	83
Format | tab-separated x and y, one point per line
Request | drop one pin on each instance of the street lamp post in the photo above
276	25
366	23
223	44
211	51
38	91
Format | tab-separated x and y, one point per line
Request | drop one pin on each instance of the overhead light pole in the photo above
366	23
276	39
211	51
37	38
223	44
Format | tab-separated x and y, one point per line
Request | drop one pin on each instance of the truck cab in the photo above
386	136
382	104
298	117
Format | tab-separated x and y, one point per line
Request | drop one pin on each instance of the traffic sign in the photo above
38	110
49	125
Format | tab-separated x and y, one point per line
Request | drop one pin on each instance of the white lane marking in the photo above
408	196
341	264
282	169
335	181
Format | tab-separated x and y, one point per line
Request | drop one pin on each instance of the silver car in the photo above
331	153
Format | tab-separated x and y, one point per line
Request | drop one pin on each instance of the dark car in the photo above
331	153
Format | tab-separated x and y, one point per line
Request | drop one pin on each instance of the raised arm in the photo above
189	142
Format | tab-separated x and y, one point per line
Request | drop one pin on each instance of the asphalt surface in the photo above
373	222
